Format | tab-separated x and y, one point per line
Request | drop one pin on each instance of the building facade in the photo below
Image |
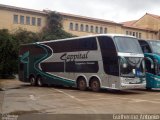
14	18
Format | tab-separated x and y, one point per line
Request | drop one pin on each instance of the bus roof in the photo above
110	35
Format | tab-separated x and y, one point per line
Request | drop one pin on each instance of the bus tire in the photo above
39	81
95	84
81	84
33	81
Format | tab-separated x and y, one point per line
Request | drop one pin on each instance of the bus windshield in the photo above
127	44
155	46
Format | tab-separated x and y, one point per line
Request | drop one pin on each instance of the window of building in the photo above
137	34
21	19
38	21
71	26
15	19
105	30
87	28
33	21
152	36
133	33
126	32
82	28
76	27
140	35
130	33
27	20
91	30
96	29
101	30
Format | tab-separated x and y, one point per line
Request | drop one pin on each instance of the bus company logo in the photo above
73	57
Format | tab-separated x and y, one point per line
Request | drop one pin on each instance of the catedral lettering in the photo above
72	57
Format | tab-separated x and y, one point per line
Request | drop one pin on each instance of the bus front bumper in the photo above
133	86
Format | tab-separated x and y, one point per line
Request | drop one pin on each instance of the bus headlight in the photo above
124	65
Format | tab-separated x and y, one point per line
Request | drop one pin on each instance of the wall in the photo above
111	28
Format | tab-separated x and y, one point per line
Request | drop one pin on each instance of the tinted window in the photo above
53	67
33	50
109	55
145	46
84	44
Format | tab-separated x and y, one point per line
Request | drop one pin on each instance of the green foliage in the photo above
23	36
8	54
54	29
54	22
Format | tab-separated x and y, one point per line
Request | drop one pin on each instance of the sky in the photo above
114	10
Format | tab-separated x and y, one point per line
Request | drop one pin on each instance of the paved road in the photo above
20	98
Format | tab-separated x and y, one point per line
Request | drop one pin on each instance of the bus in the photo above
151	50
94	62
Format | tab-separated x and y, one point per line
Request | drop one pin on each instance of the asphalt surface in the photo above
17	98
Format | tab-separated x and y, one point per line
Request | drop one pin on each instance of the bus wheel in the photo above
39	81
81	84
33	81
95	85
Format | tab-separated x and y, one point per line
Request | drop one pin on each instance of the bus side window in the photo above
145	46
84	44
109	55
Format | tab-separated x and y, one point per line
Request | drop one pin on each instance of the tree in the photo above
22	36
8	54
54	27
9	47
